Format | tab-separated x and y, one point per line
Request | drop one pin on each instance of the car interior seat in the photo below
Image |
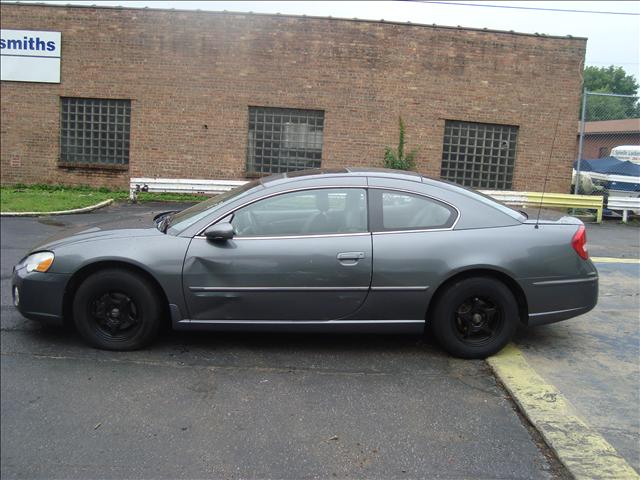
319	223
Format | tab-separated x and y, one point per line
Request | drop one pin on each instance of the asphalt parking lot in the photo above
290	406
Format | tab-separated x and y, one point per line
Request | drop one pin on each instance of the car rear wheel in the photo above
117	310
475	317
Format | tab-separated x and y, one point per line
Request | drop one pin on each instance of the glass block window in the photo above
479	155
95	131
284	140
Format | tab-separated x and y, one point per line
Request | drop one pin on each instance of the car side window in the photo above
307	212
406	211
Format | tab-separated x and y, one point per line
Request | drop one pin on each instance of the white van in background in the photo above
627	152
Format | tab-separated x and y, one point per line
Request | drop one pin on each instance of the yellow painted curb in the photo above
614	260
584	452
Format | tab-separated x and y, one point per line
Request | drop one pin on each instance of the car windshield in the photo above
187	217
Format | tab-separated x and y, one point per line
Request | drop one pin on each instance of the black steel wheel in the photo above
117	310
115	315
478	320
475	317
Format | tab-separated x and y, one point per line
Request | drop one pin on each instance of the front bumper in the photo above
39	295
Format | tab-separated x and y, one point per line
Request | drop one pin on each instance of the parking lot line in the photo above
614	260
584	452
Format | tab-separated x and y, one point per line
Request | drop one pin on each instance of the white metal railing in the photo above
180	185
625	204
510	198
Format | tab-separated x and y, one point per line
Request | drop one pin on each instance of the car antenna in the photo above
546	175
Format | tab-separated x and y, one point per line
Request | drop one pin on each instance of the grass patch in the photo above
49	198
168	197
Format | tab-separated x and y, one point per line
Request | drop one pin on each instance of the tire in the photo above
475	317
117	310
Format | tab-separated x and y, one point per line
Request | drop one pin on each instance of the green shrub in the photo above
397	159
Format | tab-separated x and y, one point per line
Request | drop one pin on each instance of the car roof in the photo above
443	185
315	173
486	211
340	172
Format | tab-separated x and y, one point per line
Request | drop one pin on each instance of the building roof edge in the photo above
288	15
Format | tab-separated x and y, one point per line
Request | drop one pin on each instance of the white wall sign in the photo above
30	56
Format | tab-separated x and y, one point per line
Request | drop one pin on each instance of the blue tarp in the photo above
609	166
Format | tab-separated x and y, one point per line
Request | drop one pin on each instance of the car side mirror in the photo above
219	232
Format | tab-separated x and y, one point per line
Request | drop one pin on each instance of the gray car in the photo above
350	250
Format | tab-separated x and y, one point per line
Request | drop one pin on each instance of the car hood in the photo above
129	227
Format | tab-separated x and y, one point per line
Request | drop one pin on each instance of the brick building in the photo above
601	137
193	94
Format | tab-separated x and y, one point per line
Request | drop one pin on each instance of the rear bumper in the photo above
39	296
544	318
555	300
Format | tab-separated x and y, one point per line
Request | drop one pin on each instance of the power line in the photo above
522	8
610	62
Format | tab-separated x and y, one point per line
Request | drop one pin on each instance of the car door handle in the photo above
350	256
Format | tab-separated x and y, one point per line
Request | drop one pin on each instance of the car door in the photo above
411	233
298	256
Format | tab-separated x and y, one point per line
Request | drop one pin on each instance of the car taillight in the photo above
579	242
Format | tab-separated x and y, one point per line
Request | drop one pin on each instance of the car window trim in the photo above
286	237
200	234
376	226
370	213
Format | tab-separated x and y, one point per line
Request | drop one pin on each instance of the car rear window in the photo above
407	211
481	197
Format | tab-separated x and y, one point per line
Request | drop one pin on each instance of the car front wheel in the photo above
117	310
475	317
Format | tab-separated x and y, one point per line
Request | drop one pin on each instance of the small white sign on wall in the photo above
30	56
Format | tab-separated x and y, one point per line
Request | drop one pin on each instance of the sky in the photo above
612	39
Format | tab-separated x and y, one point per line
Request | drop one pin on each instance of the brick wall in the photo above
184	70
600	145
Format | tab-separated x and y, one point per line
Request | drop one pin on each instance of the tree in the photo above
610	80
397	159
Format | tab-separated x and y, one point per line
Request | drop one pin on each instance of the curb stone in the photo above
582	450
90	208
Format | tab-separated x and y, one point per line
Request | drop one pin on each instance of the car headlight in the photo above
37	262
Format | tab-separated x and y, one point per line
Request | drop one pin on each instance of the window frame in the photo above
269	140
376	221
92	141
483	164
